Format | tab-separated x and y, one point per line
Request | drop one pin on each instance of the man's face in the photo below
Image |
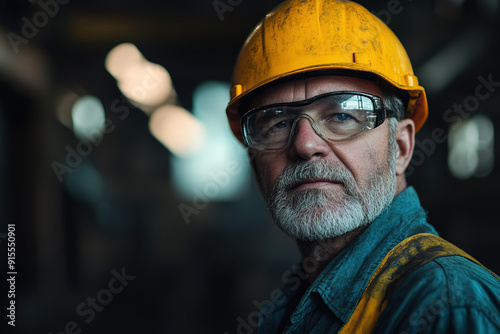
318	189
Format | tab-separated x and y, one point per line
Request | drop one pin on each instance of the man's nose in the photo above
307	144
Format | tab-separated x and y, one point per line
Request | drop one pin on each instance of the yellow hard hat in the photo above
300	36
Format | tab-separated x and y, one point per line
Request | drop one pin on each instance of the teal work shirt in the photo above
447	295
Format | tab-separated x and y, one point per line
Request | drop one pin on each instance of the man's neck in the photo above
321	252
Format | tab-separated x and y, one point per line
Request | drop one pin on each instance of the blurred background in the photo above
143	216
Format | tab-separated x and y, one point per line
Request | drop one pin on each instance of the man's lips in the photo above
314	184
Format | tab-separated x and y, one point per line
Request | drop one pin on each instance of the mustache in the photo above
304	171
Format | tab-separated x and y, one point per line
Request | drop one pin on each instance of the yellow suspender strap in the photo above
409	255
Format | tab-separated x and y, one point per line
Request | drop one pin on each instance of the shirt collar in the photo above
344	279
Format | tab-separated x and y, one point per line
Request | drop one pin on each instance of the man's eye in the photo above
276	128
280	125
341	117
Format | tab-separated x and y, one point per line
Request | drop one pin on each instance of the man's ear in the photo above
405	141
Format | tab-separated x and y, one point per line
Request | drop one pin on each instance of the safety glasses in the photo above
334	116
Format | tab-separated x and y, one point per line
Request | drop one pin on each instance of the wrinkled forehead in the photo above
301	89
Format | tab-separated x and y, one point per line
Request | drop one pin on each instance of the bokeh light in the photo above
145	84
177	129
471	148
88	117
220	171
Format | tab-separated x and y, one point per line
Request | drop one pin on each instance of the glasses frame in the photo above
379	109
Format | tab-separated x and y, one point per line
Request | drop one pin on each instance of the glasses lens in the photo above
270	128
338	115
344	115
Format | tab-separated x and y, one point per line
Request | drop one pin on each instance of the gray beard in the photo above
317	214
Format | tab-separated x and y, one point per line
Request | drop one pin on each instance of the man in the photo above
325	98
